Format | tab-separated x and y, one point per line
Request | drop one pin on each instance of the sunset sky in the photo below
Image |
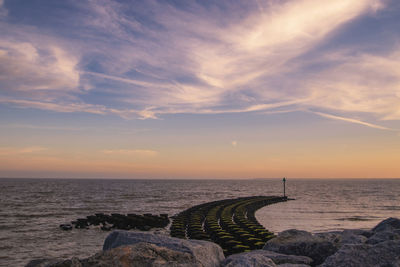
200	89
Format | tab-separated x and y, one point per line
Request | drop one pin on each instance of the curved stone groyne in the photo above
230	223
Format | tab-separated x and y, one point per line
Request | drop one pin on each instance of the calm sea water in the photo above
32	209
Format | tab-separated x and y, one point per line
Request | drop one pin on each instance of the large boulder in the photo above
292	265
123	249
383	254
387	225
143	255
248	259
261	258
338	239
379	237
302	243
206	253
137	255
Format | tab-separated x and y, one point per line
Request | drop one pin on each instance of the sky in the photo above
200	89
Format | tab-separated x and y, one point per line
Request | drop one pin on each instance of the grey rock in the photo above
206	253
384	236
142	255
302	243
248	259
366	233
338	239
261	255
292	265
389	224
279	258
384	254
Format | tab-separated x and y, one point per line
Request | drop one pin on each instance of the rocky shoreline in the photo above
378	247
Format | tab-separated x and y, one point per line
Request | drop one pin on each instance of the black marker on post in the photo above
284	186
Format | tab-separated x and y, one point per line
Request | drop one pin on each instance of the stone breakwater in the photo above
378	247
231	223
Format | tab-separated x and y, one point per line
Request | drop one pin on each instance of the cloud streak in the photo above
334	117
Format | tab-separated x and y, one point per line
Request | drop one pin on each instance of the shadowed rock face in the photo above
389	224
296	242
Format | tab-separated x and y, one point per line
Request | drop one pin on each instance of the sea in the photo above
31	210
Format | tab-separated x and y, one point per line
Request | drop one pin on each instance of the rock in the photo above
389	224
136	255
384	236
248	259
340	238
204	252
283	258
66	227
302	243
383	254
143	254
292	265
366	233
262	257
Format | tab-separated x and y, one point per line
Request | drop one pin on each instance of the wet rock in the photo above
81	223
105	228
383	254
66	227
387	225
207	253
261	256
302	243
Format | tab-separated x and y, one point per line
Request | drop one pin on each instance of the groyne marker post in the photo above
284	186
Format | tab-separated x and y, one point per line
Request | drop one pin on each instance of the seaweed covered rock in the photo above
302	243
206	253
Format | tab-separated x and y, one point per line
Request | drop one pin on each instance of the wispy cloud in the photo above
361	83
3	10
131	152
334	117
198	59
8	151
29	68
